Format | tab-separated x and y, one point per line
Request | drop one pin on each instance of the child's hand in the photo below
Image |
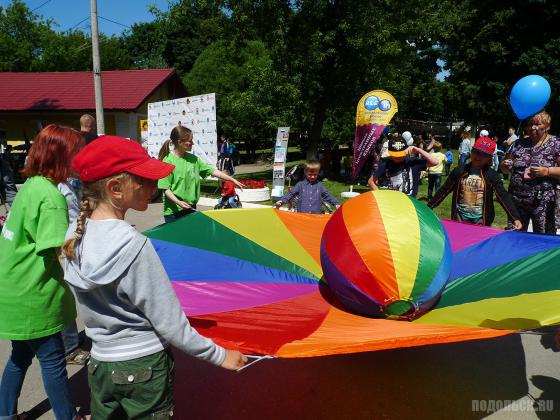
412	150
279	203
238	184
184	205
234	360
517	225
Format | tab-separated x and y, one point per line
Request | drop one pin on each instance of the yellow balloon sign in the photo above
376	107
375	110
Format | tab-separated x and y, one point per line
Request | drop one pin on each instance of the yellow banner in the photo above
376	107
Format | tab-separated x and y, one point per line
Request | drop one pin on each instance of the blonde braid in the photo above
70	245
92	194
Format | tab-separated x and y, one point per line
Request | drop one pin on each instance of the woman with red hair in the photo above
36	303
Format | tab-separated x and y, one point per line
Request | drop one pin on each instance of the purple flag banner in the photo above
374	112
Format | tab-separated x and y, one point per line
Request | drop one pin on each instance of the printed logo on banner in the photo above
371	102
174	113
385	105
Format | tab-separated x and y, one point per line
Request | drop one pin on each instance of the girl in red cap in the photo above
473	186
125	298
35	302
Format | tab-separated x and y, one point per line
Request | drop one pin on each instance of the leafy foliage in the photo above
305	63
496	44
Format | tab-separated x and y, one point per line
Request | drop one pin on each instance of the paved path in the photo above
430	382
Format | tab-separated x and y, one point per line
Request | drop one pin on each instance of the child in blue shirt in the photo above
310	192
449	157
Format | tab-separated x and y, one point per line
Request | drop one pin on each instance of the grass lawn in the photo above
339	184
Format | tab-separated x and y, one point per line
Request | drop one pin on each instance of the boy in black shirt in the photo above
400	170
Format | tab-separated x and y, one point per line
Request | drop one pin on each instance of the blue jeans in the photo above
463	158
50	352
70	337
434	181
231	200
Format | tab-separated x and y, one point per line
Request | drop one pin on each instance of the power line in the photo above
112	21
80	22
41	5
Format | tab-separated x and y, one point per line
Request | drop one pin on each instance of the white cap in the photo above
407	136
484	133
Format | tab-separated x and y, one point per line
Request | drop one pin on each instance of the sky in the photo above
69	13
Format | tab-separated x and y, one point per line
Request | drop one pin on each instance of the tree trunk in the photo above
315	132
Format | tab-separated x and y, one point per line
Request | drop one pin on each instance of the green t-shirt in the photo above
34	299
184	181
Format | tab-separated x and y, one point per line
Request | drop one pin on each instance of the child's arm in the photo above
221	175
430	160
448	186
290	195
379	172
327	196
372	182
148	287
183	204
504	198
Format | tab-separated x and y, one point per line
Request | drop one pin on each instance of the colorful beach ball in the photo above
384	253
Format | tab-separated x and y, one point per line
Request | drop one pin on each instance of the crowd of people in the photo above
65	241
532	162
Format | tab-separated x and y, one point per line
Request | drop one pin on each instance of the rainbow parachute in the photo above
251	279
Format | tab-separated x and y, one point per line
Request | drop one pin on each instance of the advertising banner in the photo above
374	112
197	113
280	154
144	133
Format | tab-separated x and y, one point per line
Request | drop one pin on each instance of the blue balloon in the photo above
529	96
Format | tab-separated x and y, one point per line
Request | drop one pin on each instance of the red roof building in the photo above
29	101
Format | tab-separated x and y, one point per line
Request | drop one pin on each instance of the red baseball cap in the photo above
485	145
112	155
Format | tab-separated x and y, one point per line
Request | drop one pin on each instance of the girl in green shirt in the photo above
182	187
36	303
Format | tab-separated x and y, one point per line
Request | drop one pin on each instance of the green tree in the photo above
333	51
28	42
494	45
251	97
21	35
144	43
187	28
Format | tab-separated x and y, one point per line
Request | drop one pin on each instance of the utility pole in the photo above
97	70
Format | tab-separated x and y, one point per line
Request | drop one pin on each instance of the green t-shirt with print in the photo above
34	299
184	181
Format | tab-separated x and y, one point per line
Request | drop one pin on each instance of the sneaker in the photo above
77	357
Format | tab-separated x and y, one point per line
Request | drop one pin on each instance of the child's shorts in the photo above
134	389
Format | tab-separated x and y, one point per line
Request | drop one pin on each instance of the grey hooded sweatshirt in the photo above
125	297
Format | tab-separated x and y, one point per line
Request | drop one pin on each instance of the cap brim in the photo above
152	169
397	154
483	151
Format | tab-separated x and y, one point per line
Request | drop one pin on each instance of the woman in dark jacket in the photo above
8	188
